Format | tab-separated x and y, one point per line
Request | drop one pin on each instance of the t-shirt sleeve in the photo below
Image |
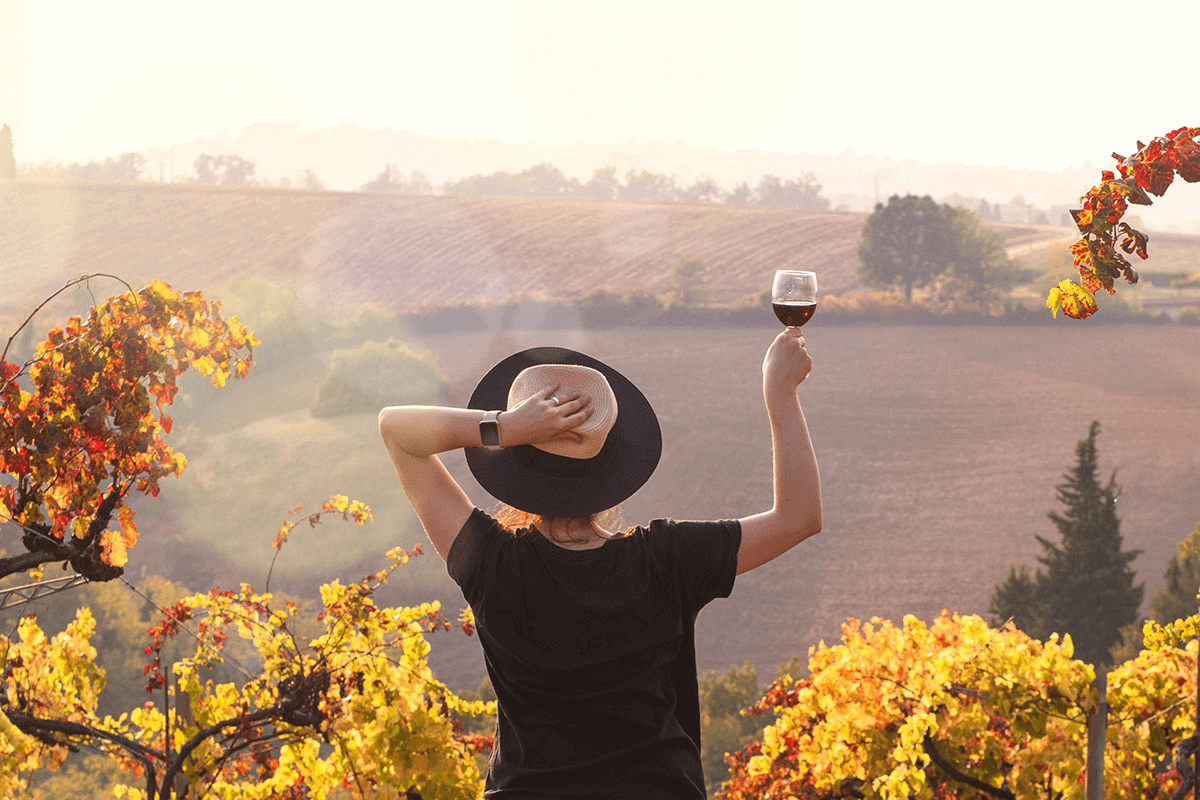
703	556
467	554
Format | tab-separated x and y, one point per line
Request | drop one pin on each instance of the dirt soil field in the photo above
940	448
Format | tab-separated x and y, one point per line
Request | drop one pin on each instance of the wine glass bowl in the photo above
794	296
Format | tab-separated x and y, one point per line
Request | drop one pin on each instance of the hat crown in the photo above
571	379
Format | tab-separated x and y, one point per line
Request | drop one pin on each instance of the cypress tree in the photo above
8	163
1181	582
1086	588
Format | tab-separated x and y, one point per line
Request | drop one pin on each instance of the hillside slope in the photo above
400	250
346	249
343	251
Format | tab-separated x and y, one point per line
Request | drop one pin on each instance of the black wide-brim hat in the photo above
550	485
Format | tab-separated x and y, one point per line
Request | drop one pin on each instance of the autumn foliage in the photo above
1104	239
336	701
344	702
83	422
958	709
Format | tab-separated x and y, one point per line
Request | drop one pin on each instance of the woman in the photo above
588	633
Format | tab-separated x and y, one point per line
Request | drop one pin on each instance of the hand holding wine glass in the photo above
794	296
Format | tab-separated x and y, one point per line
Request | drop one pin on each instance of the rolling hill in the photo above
346	250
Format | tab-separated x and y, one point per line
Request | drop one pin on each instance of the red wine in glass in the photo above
794	314
794	296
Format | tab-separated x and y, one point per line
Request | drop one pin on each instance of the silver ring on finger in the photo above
554	399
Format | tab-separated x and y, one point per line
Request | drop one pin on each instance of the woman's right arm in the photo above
414	435
796	512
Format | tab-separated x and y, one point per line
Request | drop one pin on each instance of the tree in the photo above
980	269
1087	589
92	425
906	244
691	289
311	182
127	167
1015	599
704	190
229	169
649	187
603	184
742	195
1181	583
544	180
804	192
8	162
392	180
958	709
725	728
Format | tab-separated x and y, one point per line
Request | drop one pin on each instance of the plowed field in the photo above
939	447
344	250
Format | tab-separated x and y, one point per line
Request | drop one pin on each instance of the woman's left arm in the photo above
796	512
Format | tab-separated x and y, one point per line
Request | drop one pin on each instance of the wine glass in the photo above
794	296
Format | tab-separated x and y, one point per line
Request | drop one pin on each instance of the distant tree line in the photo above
125	167
546	180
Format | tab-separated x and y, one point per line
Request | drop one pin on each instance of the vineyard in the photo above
940	444
926	435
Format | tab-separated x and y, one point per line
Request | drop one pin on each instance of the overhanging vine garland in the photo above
1098	252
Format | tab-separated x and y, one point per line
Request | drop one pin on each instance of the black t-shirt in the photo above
592	655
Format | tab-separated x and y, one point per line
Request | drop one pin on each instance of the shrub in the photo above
602	308
641	307
270	310
1189	316
1186	281
869	306
366	378
370	325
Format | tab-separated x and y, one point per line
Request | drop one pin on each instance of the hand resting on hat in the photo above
544	417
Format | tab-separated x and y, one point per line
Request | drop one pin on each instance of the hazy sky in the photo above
1026	84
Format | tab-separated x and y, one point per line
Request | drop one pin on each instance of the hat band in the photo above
536	460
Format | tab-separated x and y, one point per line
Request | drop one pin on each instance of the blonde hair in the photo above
522	523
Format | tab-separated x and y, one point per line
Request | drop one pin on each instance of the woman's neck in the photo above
573	534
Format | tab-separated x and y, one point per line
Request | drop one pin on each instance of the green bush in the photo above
370	325
602	308
641	307
376	374
271	313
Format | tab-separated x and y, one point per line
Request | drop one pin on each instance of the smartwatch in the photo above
489	430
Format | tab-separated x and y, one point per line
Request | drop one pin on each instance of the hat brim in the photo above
542	483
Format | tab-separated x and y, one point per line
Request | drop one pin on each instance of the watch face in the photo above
489	431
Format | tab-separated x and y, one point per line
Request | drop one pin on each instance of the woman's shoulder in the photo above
686	527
